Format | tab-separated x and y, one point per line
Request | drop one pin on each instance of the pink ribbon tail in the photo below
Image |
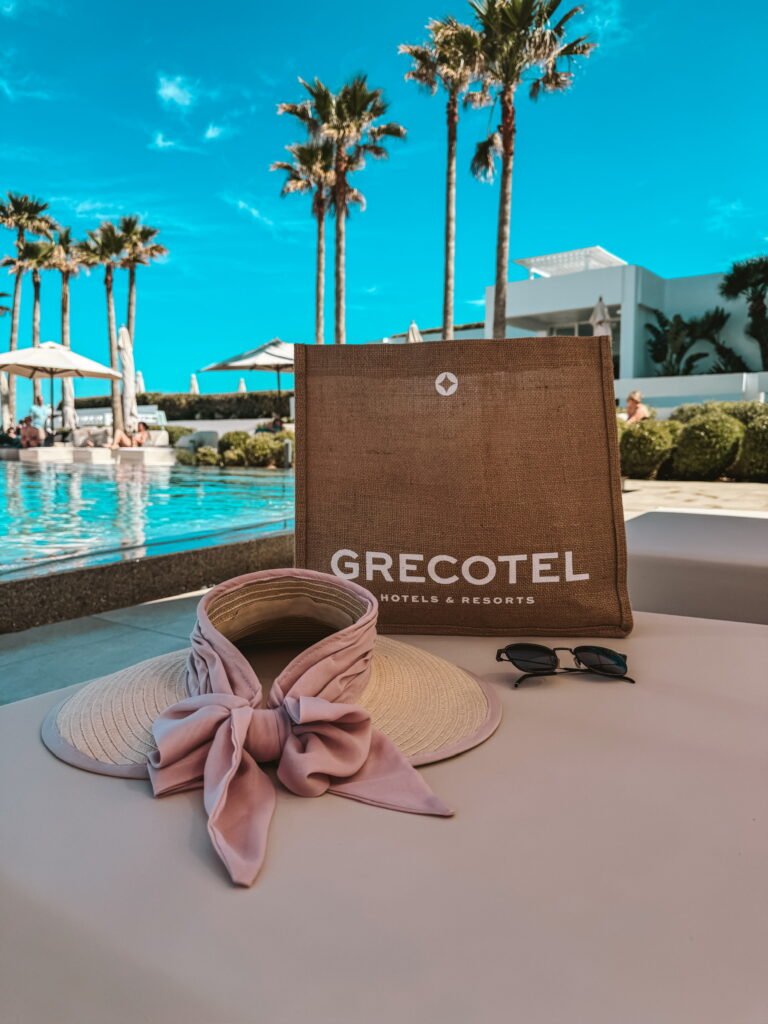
388	779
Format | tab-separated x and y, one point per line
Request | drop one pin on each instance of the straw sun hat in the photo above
285	668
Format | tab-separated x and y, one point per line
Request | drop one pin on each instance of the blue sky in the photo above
168	110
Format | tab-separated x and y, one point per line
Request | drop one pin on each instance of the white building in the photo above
562	289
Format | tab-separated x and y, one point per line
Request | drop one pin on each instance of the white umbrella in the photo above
414	334
275	356
53	360
140	389
600	319
130	408
241	388
194	387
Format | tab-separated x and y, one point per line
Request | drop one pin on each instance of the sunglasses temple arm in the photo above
533	675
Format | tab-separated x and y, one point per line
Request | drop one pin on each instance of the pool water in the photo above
59	517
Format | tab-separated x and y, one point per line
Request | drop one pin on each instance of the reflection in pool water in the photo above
56	517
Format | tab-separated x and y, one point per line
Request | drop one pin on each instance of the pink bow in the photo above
218	738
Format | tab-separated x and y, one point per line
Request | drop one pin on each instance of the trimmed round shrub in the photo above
234	439
644	447
707	447
206	456
753	462
260	450
233	457
185	457
176	433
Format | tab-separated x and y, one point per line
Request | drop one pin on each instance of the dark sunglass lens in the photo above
531	657
602	660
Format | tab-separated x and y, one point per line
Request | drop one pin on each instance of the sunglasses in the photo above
537	660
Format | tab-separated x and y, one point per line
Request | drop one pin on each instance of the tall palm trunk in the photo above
505	212
37	385
340	255
15	314
132	302
117	411
452	117
320	275
67	386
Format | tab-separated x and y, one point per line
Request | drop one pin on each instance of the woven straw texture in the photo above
427	706
109	720
519	460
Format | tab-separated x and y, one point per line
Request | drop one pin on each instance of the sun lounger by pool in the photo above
47	454
708	566
93	456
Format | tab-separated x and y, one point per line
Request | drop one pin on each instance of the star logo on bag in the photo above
446	383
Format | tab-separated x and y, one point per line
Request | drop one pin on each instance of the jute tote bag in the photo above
472	486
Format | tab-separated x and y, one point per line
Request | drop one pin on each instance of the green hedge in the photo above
743	411
233	439
644	447
176	433
707	447
252	405
753	462
237	448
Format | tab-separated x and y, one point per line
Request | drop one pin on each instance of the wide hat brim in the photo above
430	709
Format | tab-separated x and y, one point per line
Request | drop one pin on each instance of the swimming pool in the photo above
58	517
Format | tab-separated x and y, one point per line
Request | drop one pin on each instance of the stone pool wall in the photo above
69	595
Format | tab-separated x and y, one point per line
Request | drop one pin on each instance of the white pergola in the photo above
594	257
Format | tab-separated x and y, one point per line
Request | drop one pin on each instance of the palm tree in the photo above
451	58
24	215
140	249
520	40
104	248
750	278
311	171
4	310
66	258
351	121
36	258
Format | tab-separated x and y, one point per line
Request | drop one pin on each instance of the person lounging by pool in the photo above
31	435
137	440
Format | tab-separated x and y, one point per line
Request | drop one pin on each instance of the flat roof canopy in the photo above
594	257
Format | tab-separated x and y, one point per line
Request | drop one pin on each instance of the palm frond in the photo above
483	164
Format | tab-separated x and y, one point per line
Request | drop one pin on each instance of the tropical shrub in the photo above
185	457
743	411
644	447
753	462
176	433
233	457
206	456
233	439
707	447
261	450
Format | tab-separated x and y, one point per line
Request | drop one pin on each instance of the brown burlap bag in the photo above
472	486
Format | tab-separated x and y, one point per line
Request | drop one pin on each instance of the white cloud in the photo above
16	85
254	212
605	23
159	141
177	91
475	302
213	131
724	213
